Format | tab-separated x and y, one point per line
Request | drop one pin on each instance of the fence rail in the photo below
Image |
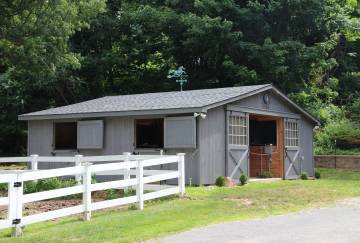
132	167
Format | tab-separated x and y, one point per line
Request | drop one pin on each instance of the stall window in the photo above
65	135
291	133
237	130
149	133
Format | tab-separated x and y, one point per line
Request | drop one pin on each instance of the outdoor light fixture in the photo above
201	114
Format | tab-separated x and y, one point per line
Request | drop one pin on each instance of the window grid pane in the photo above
237	130
291	133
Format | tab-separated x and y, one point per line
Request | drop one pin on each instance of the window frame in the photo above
136	133
275	133
54	136
291	133
237	130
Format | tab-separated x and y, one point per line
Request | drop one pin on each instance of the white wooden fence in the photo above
84	168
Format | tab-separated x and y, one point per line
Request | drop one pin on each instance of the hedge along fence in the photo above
130	165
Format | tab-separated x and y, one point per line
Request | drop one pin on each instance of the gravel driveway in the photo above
340	223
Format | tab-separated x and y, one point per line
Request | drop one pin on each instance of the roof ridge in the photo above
185	91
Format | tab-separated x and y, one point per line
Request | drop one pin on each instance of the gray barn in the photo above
227	131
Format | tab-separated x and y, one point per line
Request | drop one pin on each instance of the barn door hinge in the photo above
16	221
18	184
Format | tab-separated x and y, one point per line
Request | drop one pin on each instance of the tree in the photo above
34	55
66	51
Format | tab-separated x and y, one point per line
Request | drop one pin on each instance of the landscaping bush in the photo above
129	192
47	184
111	194
304	176
346	134
243	179
220	181
3	187
317	174
264	174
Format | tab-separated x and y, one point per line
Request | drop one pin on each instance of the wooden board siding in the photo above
211	144
306	144
280	142
276	104
40	137
262	163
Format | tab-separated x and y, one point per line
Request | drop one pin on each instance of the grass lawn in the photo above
201	206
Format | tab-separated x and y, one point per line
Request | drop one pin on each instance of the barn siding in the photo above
40	140
306	142
118	138
203	164
40	137
282	107
212	145
277	103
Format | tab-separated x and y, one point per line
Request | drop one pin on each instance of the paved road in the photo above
336	224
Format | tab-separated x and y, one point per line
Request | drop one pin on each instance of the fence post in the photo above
15	190
181	169
140	185
34	161
127	170
87	191
78	160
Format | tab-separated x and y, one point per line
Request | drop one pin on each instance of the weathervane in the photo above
180	76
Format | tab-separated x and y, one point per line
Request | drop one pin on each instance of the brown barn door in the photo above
292	149
237	144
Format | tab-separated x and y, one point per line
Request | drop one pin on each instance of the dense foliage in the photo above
65	51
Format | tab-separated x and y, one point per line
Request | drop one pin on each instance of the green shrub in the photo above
30	187
3	187
264	174
304	176
220	181
129	192
93	179
47	184
111	194
133	206
243	179
317	174
345	132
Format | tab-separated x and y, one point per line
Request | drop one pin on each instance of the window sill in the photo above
149	149
291	147
65	152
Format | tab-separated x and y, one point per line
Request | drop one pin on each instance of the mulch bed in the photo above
54	204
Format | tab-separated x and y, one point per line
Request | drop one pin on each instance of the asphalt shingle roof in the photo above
151	101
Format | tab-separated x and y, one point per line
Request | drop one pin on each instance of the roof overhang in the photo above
112	114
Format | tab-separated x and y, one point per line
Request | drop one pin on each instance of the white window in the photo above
291	133
237	130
